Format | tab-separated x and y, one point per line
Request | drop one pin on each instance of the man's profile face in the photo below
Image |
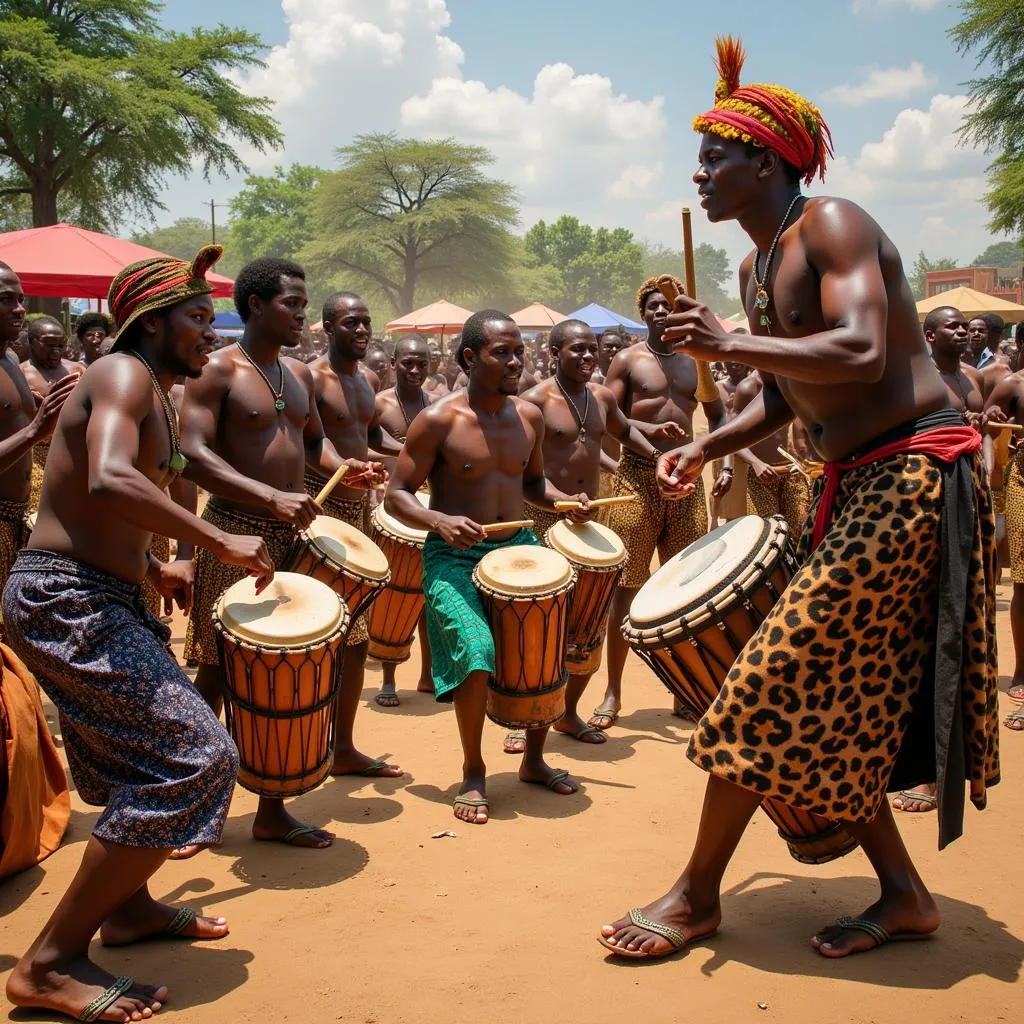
726	176
189	336
12	306
283	316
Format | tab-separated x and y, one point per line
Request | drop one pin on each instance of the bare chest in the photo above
346	401
257	404
789	302
472	451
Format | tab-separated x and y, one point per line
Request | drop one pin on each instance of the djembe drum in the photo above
394	615
344	558
280	651
694	616
526	591
598	556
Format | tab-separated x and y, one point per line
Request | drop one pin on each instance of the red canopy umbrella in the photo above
63	260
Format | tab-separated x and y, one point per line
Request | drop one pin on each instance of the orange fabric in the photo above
36	805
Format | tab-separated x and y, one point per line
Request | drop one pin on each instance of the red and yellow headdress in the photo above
156	283
766	115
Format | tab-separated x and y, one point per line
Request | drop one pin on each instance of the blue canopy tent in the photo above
600	319
228	324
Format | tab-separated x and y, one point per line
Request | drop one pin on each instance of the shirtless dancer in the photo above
656	389
397	408
733	503
837	344
345	398
437	384
139	739
92	331
482	452
572	462
945	330
249	425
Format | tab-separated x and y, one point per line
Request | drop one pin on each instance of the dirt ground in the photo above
497	924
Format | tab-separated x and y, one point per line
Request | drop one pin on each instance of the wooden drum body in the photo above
281	653
598	556
526	590
695	615
394	615
343	558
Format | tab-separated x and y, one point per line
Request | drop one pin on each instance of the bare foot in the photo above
352	762
675	910
514	742
606	715
471	802
152	920
387	698
542	774
273	824
187	852
574	726
425	685
913	913
916	800
70	988
1015	720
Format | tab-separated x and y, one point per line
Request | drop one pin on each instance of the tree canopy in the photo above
408	218
711	272
999	254
98	104
272	215
186	236
922	265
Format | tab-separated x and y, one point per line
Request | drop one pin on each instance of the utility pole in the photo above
213	218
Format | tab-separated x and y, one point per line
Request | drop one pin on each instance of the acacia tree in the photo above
992	30
98	104
271	214
404	215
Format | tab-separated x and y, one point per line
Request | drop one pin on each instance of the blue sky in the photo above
587	105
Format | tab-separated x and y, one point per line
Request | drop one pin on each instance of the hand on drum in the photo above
677	470
584	513
459	532
173	582
295	507
692	328
251	554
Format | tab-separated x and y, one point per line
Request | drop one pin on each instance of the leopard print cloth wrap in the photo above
789	497
355	512
159	547
650	523
213	577
833	700
1015	515
39	453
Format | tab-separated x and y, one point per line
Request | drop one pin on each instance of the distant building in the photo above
1003	282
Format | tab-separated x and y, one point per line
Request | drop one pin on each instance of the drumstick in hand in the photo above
570	506
516	524
325	491
796	463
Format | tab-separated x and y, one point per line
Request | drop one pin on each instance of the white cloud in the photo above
882	84
635	181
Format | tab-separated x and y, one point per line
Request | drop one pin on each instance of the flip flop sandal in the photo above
387	700
587	730
289	837
473	802
106	999
598	713
373	771
675	938
930	799
551	783
877	932
183	919
1016	698
514	737
1015	716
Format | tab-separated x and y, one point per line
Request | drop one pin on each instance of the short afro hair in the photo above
405	340
89	321
262	278
474	335
650	286
38	324
993	322
559	333
936	316
331	303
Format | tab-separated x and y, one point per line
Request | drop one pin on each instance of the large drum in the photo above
526	590
281	651
694	616
344	558
598	556
393	616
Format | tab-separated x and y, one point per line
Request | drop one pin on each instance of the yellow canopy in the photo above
538	317
971	303
441	316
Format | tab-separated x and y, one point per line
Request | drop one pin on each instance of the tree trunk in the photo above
44	213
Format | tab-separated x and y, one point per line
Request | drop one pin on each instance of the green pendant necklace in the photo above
177	462
278	394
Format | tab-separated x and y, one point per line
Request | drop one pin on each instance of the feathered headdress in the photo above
766	115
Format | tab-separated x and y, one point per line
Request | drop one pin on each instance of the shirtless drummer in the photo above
397	407
657	390
482	452
346	401
249	426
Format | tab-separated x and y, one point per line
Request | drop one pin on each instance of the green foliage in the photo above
271	216
711	271
991	30
999	254
406	220
922	265
187	235
98	104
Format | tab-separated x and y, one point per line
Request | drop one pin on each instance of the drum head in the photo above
524	569
693	577
348	546
294	611
586	544
389	524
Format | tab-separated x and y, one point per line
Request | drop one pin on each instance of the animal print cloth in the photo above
650	522
140	740
789	497
1015	515
835	699
159	547
39	452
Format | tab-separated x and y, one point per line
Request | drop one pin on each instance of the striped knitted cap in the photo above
156	283
766	115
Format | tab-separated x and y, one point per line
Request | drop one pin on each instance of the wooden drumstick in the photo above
618	499
707	389
516	524
1015	428
796	463
325	491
